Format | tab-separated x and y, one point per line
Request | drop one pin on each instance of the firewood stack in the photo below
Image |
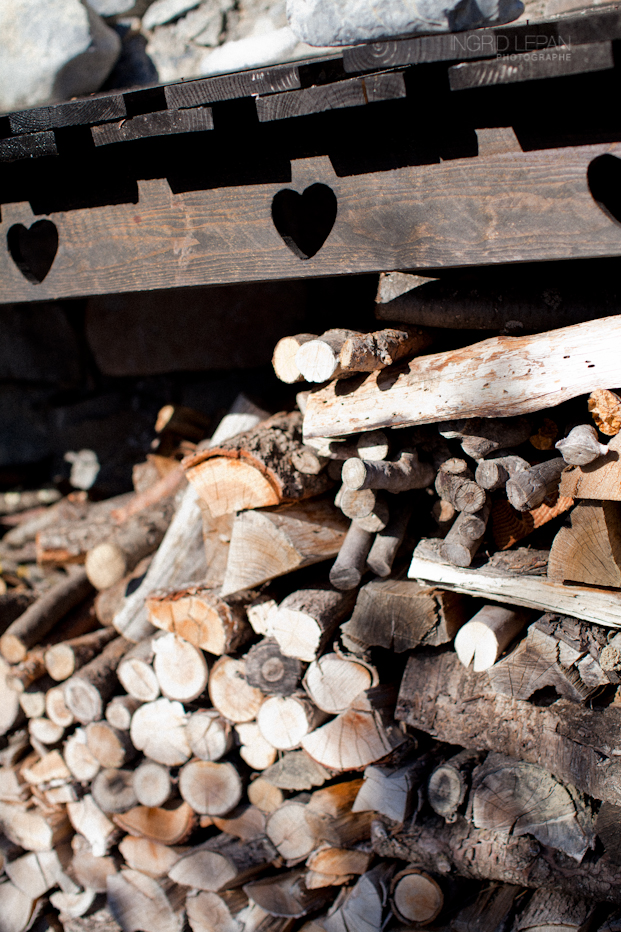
346	667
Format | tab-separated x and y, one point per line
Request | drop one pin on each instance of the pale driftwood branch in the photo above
560	364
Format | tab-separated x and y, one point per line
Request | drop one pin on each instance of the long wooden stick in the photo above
499	377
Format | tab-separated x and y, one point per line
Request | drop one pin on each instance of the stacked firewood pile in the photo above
341	668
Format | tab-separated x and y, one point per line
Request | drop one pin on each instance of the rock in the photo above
324	22
134	67
112	7
193	329
252	52
52	51
37	344
163	11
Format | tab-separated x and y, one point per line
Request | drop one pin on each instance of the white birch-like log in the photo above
499	377
482	640
318	359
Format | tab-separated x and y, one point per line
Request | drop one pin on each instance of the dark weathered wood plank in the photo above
32	146
230	86
355	92
516	207
594	26
70	113
532	66
161	123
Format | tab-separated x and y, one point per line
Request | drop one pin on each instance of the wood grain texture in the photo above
69	113
160	123
532	66
32	146
483	211
355	92
501	376
231	86
589	604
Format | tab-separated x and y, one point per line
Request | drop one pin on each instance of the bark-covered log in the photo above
348	569
136	674
63	659
222	862
530	487
480	436
400	475
284	361
319	360
286	895
440	847
307	619
483	639
492	474
254	469
88	690
199	615
271	671
449	784
387	542
574	743
465	536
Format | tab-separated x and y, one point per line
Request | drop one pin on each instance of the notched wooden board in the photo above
355	92
160	123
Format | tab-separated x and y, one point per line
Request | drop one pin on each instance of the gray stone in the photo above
324	22
163	11
112	7
52	51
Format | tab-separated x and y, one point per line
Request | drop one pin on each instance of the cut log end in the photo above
416	897
105	565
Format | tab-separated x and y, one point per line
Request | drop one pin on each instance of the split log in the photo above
222	863
290	831
272	542
394	791
180	559
231	694
119	711
400	614
589	604
111	748
465	536
136	674
364	734
600	479
284	358
38	872
32	701
286	895
209	735
139	904
215	912
63	659
22	675
400	475
180	668
440	847
510	526
16	906
581	446
530	487
113	790
70	905
606	828
199	615
463	383
307	619
590	550
285	721
264	795
32	829
13	604
560	654
88	690
605	408
158	730
552	909
151	858
415	897
32	626
254	470
165	826
365	907
151	784
295	770
78	757
88	819
512	797
48	767
486	636
449	784
45	731
492	909
333	682
386	545
271	671
209	788
339	862
366	352
492	474
108	562
572	742
318	359
348	569
245	822
254	748
258	614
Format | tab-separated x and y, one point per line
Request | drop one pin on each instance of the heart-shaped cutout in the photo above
33	250
305	220
604	179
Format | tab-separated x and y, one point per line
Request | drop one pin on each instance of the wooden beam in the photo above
355	92
597	605
499	377
515	207
160	123
69	113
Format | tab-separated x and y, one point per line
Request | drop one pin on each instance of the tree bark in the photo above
601	479
387	542
400	475
271	671
348	569
63	659
530	487
88	690
581	446
465	536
